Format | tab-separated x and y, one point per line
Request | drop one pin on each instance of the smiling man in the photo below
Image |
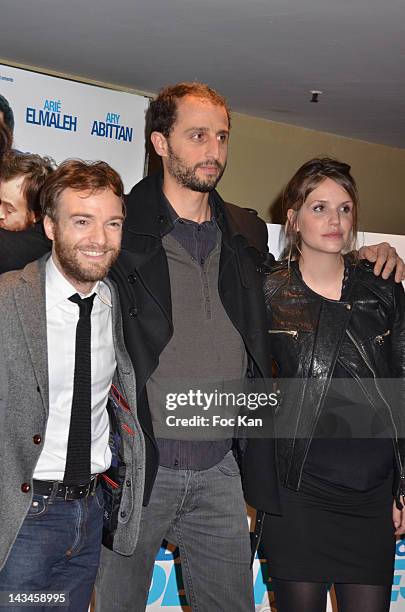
62	348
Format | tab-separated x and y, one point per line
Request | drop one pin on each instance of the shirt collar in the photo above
176	219
59	289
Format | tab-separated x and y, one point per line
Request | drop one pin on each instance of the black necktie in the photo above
77	470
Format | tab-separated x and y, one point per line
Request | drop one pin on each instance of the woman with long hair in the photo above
338	336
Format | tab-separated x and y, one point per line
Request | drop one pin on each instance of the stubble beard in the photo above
20	226
187	177
72	266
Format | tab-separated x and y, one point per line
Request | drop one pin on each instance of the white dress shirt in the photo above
61	319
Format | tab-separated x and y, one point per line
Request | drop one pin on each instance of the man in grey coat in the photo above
60	426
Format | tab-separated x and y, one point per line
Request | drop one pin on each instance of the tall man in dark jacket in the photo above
192	308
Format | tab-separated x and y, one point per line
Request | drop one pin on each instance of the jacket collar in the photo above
148	219
148	214
30	304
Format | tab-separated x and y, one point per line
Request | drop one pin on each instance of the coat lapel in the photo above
30	303
125	371
123	361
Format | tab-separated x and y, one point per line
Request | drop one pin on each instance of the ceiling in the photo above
264	55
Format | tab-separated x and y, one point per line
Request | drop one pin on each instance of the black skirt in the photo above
331	534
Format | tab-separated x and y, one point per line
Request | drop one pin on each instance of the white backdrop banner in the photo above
62	118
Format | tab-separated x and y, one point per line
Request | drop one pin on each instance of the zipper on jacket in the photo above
290	332
380	339
366	360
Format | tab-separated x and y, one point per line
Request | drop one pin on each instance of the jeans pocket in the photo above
228	465
38	507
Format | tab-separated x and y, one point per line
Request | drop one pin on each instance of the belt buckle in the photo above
82	492
74	492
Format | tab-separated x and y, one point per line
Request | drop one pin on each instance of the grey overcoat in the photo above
24	406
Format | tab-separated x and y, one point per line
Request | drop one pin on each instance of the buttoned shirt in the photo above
61	320
198	239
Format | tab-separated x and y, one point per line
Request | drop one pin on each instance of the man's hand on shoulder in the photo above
385	258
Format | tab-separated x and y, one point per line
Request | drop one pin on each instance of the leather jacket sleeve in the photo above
398	332
398	369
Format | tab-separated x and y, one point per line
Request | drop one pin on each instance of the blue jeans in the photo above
57	550
204	514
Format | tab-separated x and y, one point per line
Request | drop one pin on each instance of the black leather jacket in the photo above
308	333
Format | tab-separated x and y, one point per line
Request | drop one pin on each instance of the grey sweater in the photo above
204	352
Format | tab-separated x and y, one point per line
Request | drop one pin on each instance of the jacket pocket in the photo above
378	340
38	507
381	338
289	332
228	465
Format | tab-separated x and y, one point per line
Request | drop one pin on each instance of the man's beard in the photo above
18	226
187	177
70	263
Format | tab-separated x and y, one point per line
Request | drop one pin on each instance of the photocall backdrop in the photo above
64	118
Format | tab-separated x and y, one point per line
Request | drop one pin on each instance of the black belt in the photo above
67	492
